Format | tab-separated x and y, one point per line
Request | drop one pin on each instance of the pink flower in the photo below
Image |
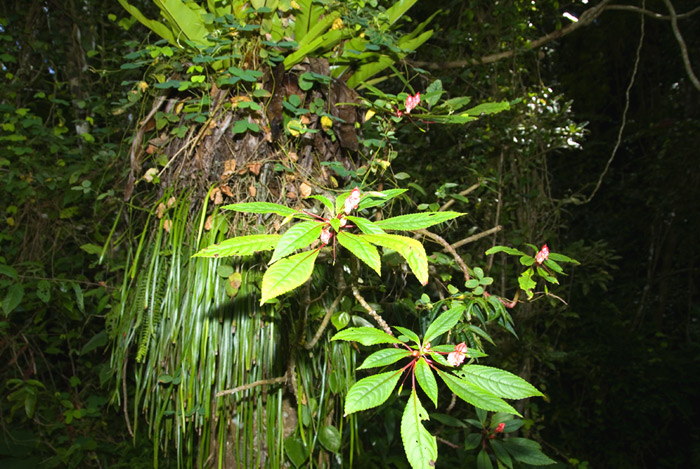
352	201
412	102
326	234
457	357
542	255
500	427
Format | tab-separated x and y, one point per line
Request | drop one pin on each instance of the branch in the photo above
586	18
472	238
375	315
624	118
448	248
653	14
245	387
681	44
340	283
466	191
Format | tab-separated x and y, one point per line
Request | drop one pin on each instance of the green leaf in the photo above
527	451
562	258
91	248
444	323
296	450
363	250
13	298
419	444
384	357
98	340
287	274
9	271
408	333
79	297
374	199
297	237
499	382
366	226
340	319
505	249
325	201
262	207
475	395
426	379
43	291
240	246
501	454
488	108
366	336
416	221
483	461
371	391
408	248
329	436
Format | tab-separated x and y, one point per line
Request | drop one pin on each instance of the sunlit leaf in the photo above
384	357
409	248
366	226
426	380
371	391
262	207
366	336
476	395
416	221
363	250
287	274
499	382
444	323
240	246
419	444
297	237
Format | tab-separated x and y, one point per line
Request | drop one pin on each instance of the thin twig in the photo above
624	117
340	282
681	44
458	259
245	387
653	14
466	191
375	315
448	443
124	406
585	19
472	238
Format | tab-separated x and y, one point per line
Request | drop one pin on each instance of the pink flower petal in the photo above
352	201
543	255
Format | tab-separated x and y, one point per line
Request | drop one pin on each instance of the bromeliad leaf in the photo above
262	207
476	395
371	391
444	323
297	237
366	336
240	246
419	444
416	221
287	274
410	249
366	226
363	250
499	382
384	357
426	379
